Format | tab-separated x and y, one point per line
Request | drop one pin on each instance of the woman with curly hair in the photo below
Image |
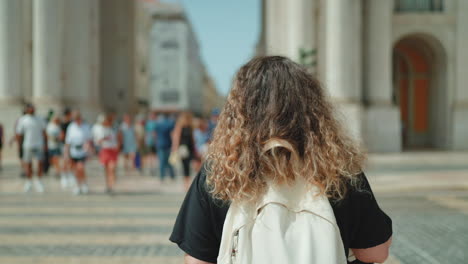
278	129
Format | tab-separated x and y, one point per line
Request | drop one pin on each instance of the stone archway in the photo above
420	90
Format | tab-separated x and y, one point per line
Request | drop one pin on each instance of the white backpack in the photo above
291	225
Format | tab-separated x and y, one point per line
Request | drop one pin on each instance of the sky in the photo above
227	32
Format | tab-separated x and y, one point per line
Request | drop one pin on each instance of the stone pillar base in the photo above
460	128
350	116
9	113
382	129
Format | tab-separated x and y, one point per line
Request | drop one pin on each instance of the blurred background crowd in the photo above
151	144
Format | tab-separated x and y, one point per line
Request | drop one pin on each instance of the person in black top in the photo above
184	143
67	179
275	98
2	139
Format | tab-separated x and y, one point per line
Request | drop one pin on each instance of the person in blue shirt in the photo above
163	128
213	122
149	151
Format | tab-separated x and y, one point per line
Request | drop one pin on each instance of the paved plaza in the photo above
133	226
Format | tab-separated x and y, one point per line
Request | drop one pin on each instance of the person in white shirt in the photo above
30	130
77	146
109	142
54	145
97	131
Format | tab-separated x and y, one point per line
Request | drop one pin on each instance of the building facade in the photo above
211	97
175	67
397	69
66	53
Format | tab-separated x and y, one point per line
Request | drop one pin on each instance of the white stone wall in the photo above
438	30
117	55
381	121
50	54
358	71
460	106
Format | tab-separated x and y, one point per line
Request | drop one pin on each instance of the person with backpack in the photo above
283	183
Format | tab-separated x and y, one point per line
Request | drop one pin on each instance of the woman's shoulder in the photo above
357	189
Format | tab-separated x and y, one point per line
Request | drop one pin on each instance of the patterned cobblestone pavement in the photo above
425	231
134	225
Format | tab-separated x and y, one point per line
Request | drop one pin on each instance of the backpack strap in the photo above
299	197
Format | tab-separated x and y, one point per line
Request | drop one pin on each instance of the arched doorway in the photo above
420	91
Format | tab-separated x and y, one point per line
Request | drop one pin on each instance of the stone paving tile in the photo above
93	260
90	210
44	230
85	239
398	168
425	232
86	216
88	250
71	221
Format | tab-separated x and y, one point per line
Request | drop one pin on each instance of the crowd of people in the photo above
64	143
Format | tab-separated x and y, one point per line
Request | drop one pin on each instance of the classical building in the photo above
66	53
398	69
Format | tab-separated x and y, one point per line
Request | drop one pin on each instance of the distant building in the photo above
175	66
398	69
211	97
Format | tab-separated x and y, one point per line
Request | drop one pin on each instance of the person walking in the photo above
19	144
67	178
78	142
184	144
129	148
142	150
31	132
213	122
163	128
149	158
97	131
200	135
283	182
2	141
54	133
109	144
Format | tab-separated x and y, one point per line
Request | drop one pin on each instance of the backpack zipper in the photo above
235	241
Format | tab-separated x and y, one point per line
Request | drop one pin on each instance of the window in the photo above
169	96
402	6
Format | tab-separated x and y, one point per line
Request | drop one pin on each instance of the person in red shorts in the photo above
109	142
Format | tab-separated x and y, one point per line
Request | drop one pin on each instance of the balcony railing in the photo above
415	6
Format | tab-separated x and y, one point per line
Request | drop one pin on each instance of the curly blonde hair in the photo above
277	125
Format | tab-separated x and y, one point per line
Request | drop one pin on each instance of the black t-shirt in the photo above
64	126
199	225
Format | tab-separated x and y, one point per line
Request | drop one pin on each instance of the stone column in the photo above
117	54
48	32
382	125
460	103
341	59
11	40
300	28
294	28
80	58
273	28
27	49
